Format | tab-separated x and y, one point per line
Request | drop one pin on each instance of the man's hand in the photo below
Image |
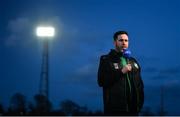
126	68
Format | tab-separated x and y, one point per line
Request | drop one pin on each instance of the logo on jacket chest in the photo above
116	66
136	65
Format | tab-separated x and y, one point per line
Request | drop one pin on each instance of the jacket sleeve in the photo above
140	86
106	76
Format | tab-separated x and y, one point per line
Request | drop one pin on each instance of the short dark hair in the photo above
119	33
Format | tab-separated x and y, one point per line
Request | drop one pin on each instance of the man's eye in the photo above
121	40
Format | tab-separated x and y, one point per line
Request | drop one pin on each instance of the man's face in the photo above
121	42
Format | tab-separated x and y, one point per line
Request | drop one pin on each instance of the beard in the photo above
120	48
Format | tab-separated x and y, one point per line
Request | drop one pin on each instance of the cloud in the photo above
150	70
157	76
86	69
165	71
18	25
21	30
171	71
173	83
85	74
168	74
18	31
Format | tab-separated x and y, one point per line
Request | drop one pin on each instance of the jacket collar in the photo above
114	53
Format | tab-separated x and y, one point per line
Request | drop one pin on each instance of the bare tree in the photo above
69	107
1	110
42	105
17	104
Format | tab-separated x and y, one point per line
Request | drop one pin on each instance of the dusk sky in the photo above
84	31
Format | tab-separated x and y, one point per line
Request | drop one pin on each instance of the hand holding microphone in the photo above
127	67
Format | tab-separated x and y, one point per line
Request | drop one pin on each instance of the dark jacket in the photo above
121	93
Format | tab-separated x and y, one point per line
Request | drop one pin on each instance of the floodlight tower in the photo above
46	33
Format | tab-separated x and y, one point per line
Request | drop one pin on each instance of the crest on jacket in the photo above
136	65
116	65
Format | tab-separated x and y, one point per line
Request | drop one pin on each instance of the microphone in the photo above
126	53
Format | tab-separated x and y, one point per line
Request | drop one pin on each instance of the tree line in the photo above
42	106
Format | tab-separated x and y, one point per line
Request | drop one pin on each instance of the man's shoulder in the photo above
104	57
134	60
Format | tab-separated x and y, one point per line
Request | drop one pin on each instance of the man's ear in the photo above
114	43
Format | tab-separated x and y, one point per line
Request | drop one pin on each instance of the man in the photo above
120	77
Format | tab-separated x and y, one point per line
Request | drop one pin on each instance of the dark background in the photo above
84	30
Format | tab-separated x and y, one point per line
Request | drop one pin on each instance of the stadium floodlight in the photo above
45	31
